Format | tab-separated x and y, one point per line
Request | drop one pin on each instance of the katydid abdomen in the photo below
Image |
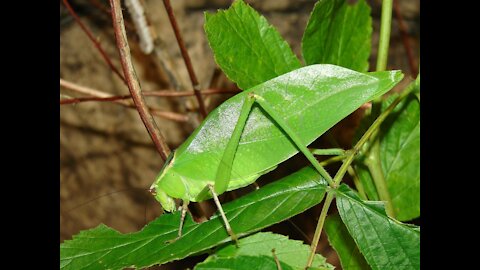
310	100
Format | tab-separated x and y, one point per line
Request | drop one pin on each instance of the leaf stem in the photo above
375	168
318	230
385	28
332	160
357	182
328	152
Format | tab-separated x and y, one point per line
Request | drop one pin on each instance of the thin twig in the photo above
173	93
66	101
406	39
105	10
83	89
157	93
157	112
132	80
93	39
186	58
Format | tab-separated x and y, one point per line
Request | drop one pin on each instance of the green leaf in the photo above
103	247
291	252
246	47
338	33
311	100
385	242
242	262
400	156
344	245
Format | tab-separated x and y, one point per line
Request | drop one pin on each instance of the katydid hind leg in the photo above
222	214
293	137
224	171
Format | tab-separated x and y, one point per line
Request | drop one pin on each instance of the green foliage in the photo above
336	45
338	33
103	247
400	157
242	263
247	48
290	252
344	245
385	242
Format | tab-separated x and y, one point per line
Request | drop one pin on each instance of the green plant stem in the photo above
358	184
332	160
328	152
374	166
371	130
385	27
350	154
373	161
318	230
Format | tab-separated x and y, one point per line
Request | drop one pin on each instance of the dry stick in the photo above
132	81
107	12
92	38
102	95
186	58
164	93
173	93
406	39
66	101
157	93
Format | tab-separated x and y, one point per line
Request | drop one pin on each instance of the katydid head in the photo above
167	186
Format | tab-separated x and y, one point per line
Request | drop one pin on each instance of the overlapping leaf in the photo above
290	252
400	157
344	245
338	33
105	248
385	242
246	47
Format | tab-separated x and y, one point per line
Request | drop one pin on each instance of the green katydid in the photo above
251	133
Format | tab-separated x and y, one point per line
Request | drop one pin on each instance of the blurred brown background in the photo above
107	161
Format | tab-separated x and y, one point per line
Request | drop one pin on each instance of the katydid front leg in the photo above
182	220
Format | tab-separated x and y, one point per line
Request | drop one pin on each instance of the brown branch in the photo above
102	96
66	101
173	93
158	93
405	38
93	39
186	58
132	80
107	12
83	89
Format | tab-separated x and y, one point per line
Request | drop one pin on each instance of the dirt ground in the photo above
107	161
